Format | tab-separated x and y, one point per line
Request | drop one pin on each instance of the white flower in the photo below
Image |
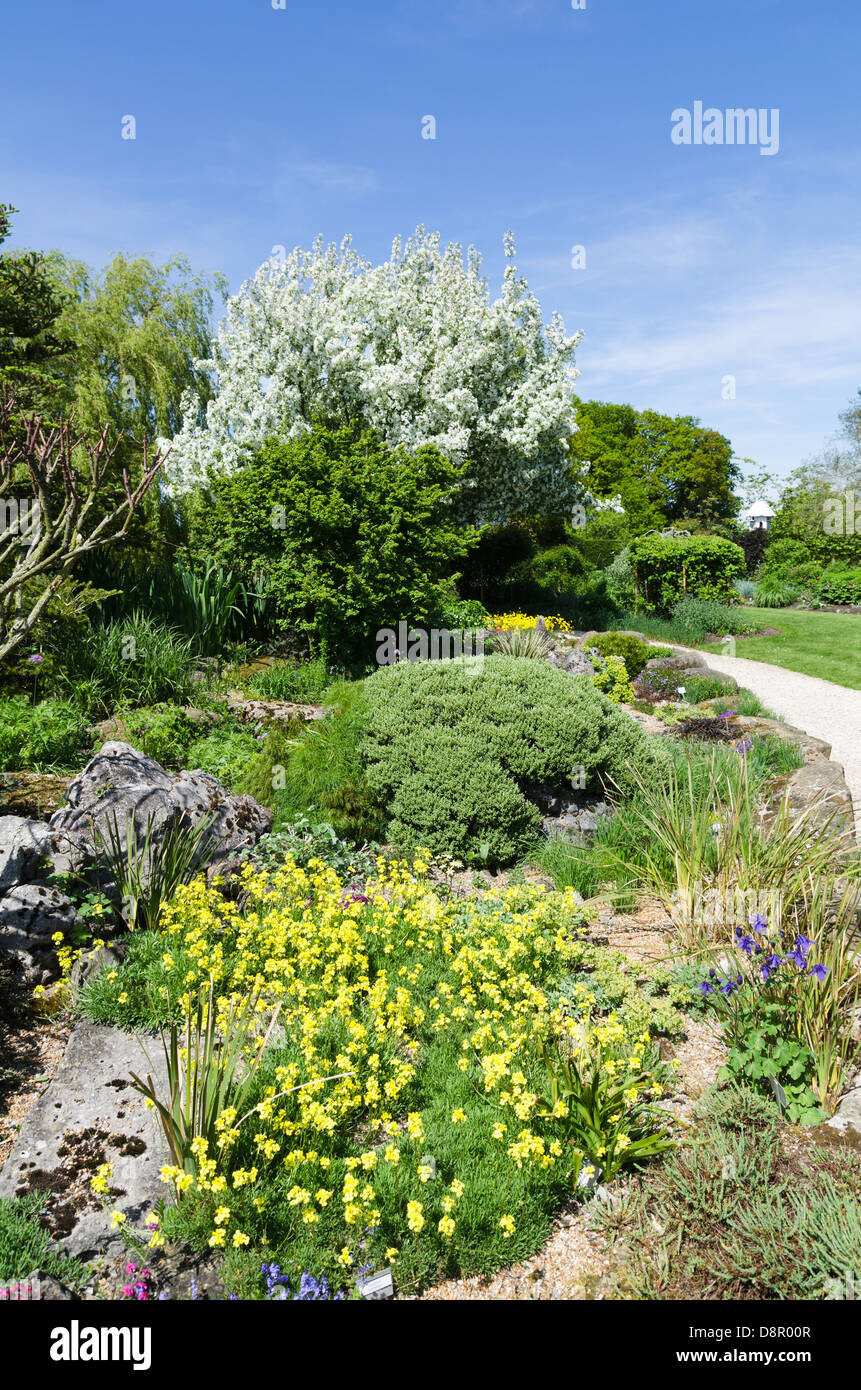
414	348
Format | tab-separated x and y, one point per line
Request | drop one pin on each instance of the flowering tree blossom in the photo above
413	348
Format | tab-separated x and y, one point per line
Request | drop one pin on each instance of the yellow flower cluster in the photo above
358	987
506	622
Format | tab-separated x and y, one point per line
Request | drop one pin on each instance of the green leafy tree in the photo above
31	339
666	469
345	535
138	330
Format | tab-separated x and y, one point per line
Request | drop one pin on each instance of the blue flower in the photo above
820	971
758	922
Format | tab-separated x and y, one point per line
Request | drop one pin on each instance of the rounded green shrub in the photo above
450	751
633	652
613	680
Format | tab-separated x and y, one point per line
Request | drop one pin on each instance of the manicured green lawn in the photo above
827	645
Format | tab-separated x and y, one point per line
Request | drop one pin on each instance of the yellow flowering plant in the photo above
209	1077
509	622
425	1011
598	1093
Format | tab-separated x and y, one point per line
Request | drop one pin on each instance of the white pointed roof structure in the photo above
760	508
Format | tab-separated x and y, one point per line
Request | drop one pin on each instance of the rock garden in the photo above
449	1005
394	901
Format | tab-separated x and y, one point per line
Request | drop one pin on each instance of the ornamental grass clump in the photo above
701	838
148	870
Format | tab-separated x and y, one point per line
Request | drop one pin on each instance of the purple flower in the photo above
820	971
798	955
757	922
705	988
770	966
36	659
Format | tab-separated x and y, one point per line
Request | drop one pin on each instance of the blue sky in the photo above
258	127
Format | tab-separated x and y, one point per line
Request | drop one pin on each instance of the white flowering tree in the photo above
413	348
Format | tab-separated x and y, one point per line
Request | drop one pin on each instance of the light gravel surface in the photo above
820	708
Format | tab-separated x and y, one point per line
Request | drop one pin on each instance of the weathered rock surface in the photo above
568	659
574	817
123	787
261	711
29	916
118	786
848	1113
688	661
24	847
89	1115
822	786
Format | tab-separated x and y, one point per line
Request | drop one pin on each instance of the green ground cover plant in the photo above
40	738
163	732
227	752
305	840
26	1247
730	1215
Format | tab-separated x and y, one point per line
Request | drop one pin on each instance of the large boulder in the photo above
24	847
122	788
119	787
90	1114
30	914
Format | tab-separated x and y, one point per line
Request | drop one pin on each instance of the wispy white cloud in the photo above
349	178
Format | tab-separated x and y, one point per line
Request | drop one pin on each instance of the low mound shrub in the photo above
449	752
837	586
694	619
612	679
633	652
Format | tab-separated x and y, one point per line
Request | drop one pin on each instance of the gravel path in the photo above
822	709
